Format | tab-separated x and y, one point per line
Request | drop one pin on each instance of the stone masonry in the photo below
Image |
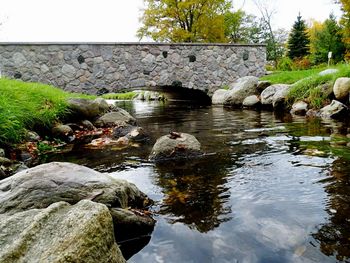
97	68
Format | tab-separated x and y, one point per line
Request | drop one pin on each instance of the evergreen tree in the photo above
298	43
328	39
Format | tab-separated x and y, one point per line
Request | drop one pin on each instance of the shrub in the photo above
285	64
302	63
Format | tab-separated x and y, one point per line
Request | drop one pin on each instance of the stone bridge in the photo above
97	68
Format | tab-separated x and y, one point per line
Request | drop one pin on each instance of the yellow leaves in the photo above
184	21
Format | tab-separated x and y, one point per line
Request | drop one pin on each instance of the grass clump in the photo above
120	96
27	105
310	88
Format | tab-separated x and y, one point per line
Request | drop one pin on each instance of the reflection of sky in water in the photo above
275	206
266	174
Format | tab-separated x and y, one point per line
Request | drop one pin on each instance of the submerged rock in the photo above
336	110
117	117
175	146
241	89
59	233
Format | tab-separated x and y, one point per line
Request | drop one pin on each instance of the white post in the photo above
329	57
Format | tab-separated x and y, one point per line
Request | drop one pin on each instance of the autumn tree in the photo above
327	38
345	22
184	20
241	27
298	42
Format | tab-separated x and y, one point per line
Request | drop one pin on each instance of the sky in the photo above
118	20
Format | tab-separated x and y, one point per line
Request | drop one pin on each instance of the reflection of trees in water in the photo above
195	193
334	236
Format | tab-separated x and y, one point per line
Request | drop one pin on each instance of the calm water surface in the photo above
271	189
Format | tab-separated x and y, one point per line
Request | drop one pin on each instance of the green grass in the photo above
120	96
290	77
308	89
306	84
28	105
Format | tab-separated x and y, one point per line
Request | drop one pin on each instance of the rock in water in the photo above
241	89
59	233
336	110
117	117
219	97
299	108
84	108
275	95
45	184
175	146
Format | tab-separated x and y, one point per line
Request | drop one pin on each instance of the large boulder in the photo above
241	89
275	95
89	109
336	110
114	118
341	88
46	184
59	233
218	97
175	146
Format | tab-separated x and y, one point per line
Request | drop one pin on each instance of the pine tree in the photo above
298	43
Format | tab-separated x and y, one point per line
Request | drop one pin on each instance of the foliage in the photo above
120	96
327	38
298	42
302	63
285	64
242	28
184	21
27	105
345	22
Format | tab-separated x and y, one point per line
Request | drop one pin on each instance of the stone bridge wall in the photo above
110	67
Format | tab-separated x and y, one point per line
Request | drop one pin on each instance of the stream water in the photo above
270	189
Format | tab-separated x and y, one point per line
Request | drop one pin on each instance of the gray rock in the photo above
336	110
87	125
241	89
251	101
328	71
19	59
341	88
32	136
69	71
117	117
83	108
59	233
62	131
175	146
48	183
299	108
102	105
274	95
219	97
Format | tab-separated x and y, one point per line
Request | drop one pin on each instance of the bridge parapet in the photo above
95	68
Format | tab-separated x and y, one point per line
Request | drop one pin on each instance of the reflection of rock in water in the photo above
195	192
334	236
